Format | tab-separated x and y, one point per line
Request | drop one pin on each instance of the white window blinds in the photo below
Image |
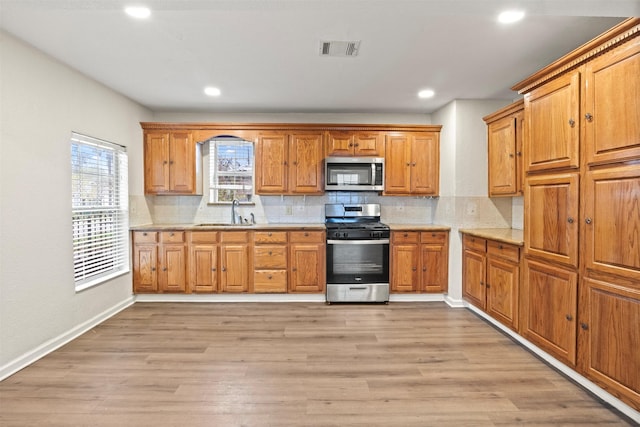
99	198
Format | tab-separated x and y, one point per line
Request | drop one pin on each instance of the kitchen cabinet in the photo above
235	261
270	261
159	262
307	254
350	143
172	163
289	163
491	278
552	120
504	139
412	163
419	261
550	308
203	261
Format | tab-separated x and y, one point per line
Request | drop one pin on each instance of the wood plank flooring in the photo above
295	364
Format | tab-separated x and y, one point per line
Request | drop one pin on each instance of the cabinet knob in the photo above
406	234
269	277
171	234
572	122
269	234
511	155
519	153
171	162
213	269
153	269
414	269
294	269
413	164
584	326
481	283
500	247
350	144
224	269
144	234
284	163
295	163
568	317
570	220
589	117
356	144
408	164
424	268
487	285
306	234
165	162
164	269
587	220
270	253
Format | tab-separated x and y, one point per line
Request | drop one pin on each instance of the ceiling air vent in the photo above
339	48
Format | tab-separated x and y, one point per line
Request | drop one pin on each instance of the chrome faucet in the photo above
234	219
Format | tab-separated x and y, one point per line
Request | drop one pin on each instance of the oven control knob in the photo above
345	235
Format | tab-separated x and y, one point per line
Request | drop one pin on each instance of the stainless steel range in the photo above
357	253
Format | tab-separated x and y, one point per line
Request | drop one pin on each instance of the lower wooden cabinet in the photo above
419	261
238	261
491	278
159	262
549	306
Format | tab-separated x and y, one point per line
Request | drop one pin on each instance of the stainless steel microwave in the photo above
354	174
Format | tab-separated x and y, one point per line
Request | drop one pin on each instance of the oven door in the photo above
357	261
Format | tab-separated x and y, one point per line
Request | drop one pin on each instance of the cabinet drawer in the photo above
474	243
433	237
504	250
269	257
270	281
306	236
405	237
270	236
234	237
145	236
203	236
172	236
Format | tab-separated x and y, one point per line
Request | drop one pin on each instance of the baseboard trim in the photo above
567	371
57	342
230	298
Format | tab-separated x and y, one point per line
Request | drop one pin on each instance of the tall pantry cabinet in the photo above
581	287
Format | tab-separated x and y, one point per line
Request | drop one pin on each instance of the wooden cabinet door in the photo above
339	143
549	305
474	265
145	263
182	161
397	164
305	171
434	264
272	156
425	164
612	221
203	268
612	112
156	162
404	267
609	337
502	287
307	267
172	275
553	124
368	144
551	217
503	157
234	268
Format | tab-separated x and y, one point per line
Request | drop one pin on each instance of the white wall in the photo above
42	101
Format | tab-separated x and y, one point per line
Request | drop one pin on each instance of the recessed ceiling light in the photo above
426	93
139	12
212	91
510	16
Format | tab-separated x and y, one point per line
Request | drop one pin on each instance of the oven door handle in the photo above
358	242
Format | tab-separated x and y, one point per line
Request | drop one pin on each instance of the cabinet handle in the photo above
589	117
224	269
587	220
568	317
584	326
572	122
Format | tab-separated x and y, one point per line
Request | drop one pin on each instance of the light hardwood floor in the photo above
295	364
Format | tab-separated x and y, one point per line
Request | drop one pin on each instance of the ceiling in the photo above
264	54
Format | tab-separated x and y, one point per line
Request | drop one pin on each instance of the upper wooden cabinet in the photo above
552	121
289	163
412	163
612	106
349	143
504	132
172	163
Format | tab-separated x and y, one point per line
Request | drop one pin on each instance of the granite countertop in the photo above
227	227
418	227
505	235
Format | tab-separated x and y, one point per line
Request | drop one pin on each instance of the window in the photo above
230	170
99	199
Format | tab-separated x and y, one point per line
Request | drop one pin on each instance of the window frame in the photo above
214	174
99	210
